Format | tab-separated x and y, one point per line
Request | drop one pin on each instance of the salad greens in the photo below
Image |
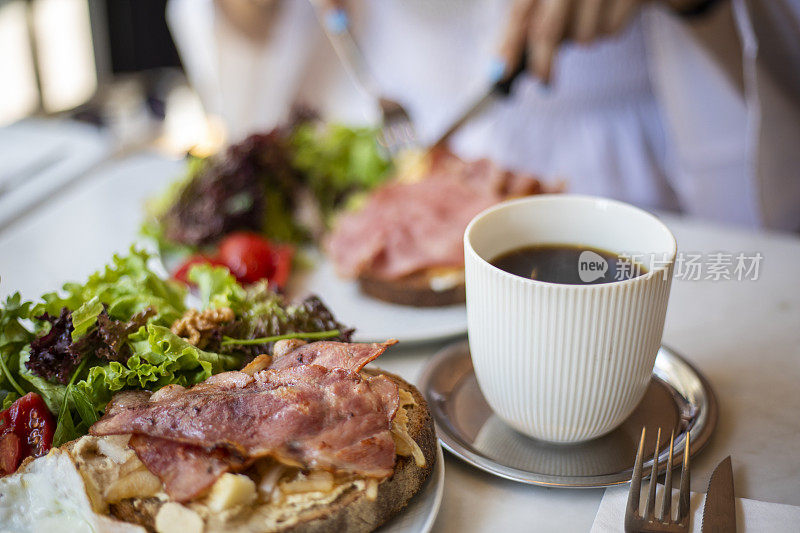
126	286
13	338
260	313
337	161
285	184
79	347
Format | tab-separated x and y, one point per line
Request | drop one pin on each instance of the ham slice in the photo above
408	227
311	409
348	355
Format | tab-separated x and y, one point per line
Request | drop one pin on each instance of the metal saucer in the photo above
678	398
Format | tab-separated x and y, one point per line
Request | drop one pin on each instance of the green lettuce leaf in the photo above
85	317
217	286
159	358
337	161
8	399
126	286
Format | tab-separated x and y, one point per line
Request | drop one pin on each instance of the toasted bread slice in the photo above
427	288
354	506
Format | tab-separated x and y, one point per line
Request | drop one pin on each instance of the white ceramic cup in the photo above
565	363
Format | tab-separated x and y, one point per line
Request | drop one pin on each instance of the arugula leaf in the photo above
13	338
264	340
84	406
7	375
65	427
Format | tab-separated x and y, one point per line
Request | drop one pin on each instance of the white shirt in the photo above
646	116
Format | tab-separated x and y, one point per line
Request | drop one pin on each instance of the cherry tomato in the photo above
248	255
182	273
33	423
26	430
9	454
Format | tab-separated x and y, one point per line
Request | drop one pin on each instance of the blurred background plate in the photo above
679	398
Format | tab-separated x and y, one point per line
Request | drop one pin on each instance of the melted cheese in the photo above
443	279
404	444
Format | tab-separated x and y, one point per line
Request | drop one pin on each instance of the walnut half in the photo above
196	326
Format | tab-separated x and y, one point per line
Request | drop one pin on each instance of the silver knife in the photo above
719	512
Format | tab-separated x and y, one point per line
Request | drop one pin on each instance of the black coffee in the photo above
568	264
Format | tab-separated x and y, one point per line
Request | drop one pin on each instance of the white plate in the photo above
375	320
420	513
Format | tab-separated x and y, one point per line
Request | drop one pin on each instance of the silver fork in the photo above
649	522
397	131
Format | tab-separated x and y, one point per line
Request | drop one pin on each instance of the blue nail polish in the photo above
497	68
337	21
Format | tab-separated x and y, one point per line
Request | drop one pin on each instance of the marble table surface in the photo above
743	335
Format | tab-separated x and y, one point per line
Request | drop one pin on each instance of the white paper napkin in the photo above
751	515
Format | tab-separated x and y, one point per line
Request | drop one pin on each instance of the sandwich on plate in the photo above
404	245
186	428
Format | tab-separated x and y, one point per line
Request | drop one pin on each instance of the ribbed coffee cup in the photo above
565	363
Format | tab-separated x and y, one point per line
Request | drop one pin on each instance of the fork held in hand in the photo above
397	131
649	522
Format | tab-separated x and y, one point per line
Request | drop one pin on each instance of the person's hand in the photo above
539	27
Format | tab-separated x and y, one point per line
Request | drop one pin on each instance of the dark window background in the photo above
138	36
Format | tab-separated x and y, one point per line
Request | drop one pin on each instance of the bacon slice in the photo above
186	471
311	408
407	227
348	355
307	416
